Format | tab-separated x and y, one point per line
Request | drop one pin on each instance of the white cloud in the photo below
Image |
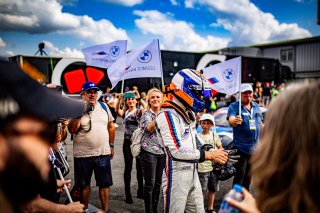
176	35
248	24
2	43
65	52
46	16
174	2
6	54
128	3
189	3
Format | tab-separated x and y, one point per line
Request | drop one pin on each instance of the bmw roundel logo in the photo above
228	75
114	51
145	57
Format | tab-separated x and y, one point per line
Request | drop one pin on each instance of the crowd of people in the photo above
174	160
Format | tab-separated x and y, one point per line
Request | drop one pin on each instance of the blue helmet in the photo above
190	87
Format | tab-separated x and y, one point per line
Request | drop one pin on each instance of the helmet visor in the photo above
201	90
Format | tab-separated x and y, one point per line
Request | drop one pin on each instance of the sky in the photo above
67	26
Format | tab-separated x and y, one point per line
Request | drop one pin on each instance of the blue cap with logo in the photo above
89	85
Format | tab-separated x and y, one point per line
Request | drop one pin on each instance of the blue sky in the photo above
67	26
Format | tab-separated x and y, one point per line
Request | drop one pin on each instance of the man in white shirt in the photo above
93	145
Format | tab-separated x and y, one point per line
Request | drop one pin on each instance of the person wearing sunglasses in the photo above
181	187
93	146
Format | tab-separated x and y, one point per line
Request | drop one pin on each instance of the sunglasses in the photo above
93	92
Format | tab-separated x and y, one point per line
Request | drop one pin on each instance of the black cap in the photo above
33	98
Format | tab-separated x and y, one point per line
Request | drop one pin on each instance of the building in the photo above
302	56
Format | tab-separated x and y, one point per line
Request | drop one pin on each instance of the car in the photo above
223	128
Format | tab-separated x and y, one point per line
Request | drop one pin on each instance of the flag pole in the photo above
162	81
122	86
240	75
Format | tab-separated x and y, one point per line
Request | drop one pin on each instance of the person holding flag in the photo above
246	132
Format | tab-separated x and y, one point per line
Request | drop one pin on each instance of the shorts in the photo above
101	167
208	181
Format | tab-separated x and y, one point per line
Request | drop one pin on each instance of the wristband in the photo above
111	145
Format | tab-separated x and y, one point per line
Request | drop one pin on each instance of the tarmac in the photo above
117	194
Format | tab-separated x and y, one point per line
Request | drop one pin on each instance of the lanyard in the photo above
249	112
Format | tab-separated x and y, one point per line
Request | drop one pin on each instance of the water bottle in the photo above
236	194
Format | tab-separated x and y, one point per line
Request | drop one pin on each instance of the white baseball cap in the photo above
207	117
246	87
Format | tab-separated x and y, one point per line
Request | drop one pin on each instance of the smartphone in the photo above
129	95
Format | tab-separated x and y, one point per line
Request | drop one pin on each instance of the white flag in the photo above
143	62
104	55
225	77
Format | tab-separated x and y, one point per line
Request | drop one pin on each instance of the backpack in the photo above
136	139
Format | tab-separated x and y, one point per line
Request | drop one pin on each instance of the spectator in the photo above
257	93
93	146
26	134
107	95
152	155
208	180
275	92
266	94
112	103
131	119
286	163
180	183
144	96
246	131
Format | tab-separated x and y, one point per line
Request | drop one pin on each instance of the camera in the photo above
89	108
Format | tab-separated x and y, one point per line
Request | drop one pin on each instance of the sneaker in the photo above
140	194
129	200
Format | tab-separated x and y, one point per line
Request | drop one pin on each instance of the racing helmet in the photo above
190	87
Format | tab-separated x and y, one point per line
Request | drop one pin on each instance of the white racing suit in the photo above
180	183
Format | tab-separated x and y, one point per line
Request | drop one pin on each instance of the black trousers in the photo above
152	166
128	159
242	176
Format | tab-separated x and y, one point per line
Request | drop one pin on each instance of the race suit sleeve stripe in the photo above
177	138
169	184
172	129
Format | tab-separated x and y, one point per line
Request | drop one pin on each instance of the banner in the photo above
143	62
104	55
225	77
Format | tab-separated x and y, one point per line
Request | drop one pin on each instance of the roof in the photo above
289	42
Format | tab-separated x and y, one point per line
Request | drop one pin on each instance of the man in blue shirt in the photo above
246	132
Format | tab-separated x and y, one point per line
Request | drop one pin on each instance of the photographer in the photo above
93	146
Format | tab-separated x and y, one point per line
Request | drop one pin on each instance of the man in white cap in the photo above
246	131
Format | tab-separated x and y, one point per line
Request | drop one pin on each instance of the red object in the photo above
74	80
94	75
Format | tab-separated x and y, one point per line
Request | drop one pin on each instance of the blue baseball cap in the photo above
89	85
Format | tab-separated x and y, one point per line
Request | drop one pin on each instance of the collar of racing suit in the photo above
186	114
